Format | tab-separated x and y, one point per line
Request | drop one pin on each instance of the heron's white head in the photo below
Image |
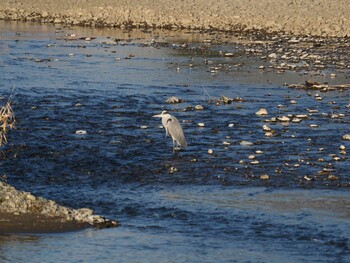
164	112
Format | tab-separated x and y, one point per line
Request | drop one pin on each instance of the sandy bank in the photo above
321	17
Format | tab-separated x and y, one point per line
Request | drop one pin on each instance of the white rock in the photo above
246	143
346	137
261	112
198	107
283	119
81	132
173	99
210	151
266	128
296	120
201	124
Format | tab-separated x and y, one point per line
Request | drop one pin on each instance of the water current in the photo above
185	207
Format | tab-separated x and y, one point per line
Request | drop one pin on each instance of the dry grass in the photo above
7	121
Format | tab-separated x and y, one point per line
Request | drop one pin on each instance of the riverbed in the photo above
85	137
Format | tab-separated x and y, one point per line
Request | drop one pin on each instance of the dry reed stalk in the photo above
7	121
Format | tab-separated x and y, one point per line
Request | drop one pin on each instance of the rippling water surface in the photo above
214	208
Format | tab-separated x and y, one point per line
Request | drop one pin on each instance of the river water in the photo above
185	207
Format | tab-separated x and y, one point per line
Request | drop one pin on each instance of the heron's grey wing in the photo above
175	130
165	125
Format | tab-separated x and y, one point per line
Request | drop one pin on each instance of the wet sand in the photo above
34	223
319	18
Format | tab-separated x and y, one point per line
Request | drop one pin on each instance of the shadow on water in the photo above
212	205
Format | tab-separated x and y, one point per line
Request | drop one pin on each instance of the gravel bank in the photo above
317	17
23	212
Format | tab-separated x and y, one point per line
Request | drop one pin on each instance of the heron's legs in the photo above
173	145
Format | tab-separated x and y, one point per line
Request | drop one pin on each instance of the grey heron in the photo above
173	128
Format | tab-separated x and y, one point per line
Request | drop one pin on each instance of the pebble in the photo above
201	124
346	137
210	151
144	127
264	177
226	143
246	143
296	120
283	119
172	169
313	126
173	100
259	152
198	107
261	112
342	147
81	132
255	162
266	128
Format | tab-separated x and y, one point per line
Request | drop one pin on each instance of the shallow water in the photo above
214	208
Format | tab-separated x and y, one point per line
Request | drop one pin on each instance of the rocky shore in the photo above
298	17
23	212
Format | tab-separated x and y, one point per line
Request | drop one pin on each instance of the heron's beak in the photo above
158	115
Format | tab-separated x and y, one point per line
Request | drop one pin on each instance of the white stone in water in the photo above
210	151
293	102
173	99
283	119
342	147
268	134
259	152
346	137
226	143
201	124
302	116
296	120
246	143
266	128
198	107
228	54
255	162
261	112
81	132
231	125
144	127
251	157
313	125
264	177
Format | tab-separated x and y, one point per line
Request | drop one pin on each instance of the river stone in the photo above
346	137
265	177
246	143
261	112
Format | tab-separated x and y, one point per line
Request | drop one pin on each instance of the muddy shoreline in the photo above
295	17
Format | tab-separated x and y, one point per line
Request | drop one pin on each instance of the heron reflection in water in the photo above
173	128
